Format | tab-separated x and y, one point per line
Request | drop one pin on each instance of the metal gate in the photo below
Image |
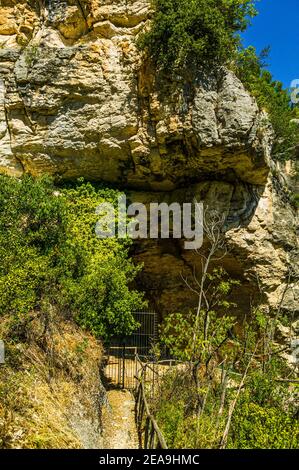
122	367
146	336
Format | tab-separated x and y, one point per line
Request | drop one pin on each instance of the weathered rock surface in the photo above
77	99
261	248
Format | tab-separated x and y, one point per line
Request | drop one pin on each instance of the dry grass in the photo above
50	389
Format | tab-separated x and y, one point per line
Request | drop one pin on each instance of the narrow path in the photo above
119	429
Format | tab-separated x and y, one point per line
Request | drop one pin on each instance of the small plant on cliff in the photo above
31	54
185	32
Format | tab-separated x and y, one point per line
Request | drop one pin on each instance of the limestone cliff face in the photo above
77	99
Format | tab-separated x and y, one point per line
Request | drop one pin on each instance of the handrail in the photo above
150	434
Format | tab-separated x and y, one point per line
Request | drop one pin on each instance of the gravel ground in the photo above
119	430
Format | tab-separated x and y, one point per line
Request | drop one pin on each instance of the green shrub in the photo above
171	419
257	427
177	330
50	256
100	295
193	405
271	97
295	200
265	415
187	432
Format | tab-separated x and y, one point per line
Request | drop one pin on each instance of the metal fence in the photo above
122	367
131	364
150	435
145	336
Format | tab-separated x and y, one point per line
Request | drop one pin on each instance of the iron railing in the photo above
150	435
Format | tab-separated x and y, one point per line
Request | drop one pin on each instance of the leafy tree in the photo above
185	32
50	257
203	33
228	386
100	296
178	329
244	405
271	97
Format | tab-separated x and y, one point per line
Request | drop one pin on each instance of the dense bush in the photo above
256	424
50	256
266	415
257	427
195	31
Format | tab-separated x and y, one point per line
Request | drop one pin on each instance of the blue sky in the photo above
277	25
